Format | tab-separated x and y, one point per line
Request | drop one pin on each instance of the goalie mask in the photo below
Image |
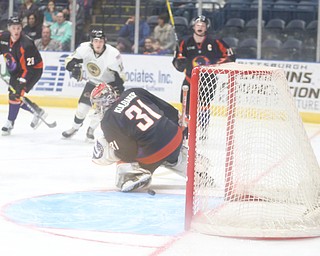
102	97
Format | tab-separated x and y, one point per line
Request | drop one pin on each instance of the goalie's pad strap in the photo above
129	171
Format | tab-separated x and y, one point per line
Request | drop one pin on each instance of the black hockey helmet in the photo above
97	34
201	18
14	20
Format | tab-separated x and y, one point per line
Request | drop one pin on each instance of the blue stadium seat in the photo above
291	50
274	29
284	9
295	29
306	10
247	49
270	49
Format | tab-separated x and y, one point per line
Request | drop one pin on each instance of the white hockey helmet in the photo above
102	97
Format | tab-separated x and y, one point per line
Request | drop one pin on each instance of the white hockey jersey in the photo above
101	68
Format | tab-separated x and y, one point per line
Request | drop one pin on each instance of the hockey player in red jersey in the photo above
25	66
100	62
200	48
141	132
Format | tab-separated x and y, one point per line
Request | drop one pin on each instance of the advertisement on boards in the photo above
156	74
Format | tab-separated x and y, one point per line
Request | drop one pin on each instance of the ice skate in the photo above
37	117
90	135
6	129
69	133
137	182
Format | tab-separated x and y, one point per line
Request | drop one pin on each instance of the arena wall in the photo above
157	75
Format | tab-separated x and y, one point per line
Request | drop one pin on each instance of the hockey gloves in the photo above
76	72
74	66
180	63
17	90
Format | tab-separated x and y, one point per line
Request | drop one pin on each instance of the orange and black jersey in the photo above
21	57
210	51
142	127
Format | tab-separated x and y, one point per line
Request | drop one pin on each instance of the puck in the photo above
151	192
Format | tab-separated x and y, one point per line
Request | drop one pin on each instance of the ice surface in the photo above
37	164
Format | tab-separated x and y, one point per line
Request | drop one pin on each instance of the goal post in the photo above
251	169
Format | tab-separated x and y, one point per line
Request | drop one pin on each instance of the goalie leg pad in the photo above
179	167
130	176
103	154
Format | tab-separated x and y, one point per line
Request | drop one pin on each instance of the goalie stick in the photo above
184	119
28	102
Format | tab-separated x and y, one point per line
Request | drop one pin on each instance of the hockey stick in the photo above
184	120
172	22
28	102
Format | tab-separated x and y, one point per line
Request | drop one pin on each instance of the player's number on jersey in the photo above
30	61
146	118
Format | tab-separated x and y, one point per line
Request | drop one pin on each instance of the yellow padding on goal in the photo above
252	113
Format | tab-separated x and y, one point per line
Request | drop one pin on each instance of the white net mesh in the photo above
255	173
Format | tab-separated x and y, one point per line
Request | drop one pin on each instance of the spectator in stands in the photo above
158	49
33	28
26	8
127	32
123	45
79	19
45	43
164	33
50	13
148	45
61	31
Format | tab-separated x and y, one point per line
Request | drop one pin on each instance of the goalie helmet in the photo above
102	97
201	18
14	20
97	34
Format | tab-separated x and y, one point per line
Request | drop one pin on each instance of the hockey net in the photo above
251	169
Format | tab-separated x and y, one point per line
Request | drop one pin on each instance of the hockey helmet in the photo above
201	18
102	97
14	20
97	34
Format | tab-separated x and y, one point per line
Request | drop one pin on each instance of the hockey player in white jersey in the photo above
99	61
